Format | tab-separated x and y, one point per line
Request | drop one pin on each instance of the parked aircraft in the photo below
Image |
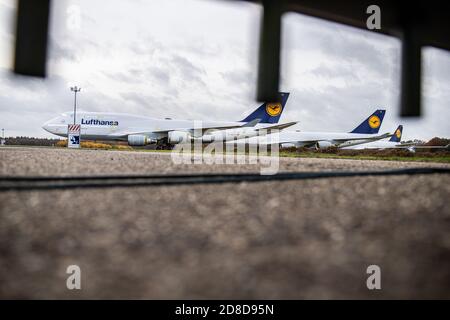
365	132
393	142
141	130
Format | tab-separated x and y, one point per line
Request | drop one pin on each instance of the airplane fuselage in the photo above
118	126
374	145
304	138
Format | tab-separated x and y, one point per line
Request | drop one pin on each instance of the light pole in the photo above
75	90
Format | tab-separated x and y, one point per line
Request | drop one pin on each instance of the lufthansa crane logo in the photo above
273	109
374	122
398	133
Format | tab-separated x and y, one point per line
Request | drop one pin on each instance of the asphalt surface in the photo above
292	240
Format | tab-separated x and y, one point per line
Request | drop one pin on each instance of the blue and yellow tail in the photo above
372	124
397	137
269	112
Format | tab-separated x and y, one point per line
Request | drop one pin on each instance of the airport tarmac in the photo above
265	240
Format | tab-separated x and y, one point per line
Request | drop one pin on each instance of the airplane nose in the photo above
49	126
46	127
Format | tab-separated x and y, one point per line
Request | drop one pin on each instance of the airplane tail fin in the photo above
372	124
269	112
397	137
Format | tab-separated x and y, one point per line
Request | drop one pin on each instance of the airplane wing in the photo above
251	123
406	144
339	140
191	130
369	139
413	146
201	131
280	126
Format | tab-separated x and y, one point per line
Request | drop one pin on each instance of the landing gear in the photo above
317	146
163	144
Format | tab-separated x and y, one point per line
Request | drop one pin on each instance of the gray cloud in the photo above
163	76
187	70
239	77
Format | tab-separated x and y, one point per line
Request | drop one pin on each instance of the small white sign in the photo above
73	135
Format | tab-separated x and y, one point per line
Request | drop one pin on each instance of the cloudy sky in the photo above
196	59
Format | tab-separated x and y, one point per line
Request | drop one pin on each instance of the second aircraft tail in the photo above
372	124
269	112
397	137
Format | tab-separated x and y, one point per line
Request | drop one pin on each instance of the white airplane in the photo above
394	143
140	130
366	132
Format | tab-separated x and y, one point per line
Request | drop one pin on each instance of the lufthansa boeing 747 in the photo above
141	130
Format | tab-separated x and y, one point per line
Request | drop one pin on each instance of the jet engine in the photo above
175	137
138	140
